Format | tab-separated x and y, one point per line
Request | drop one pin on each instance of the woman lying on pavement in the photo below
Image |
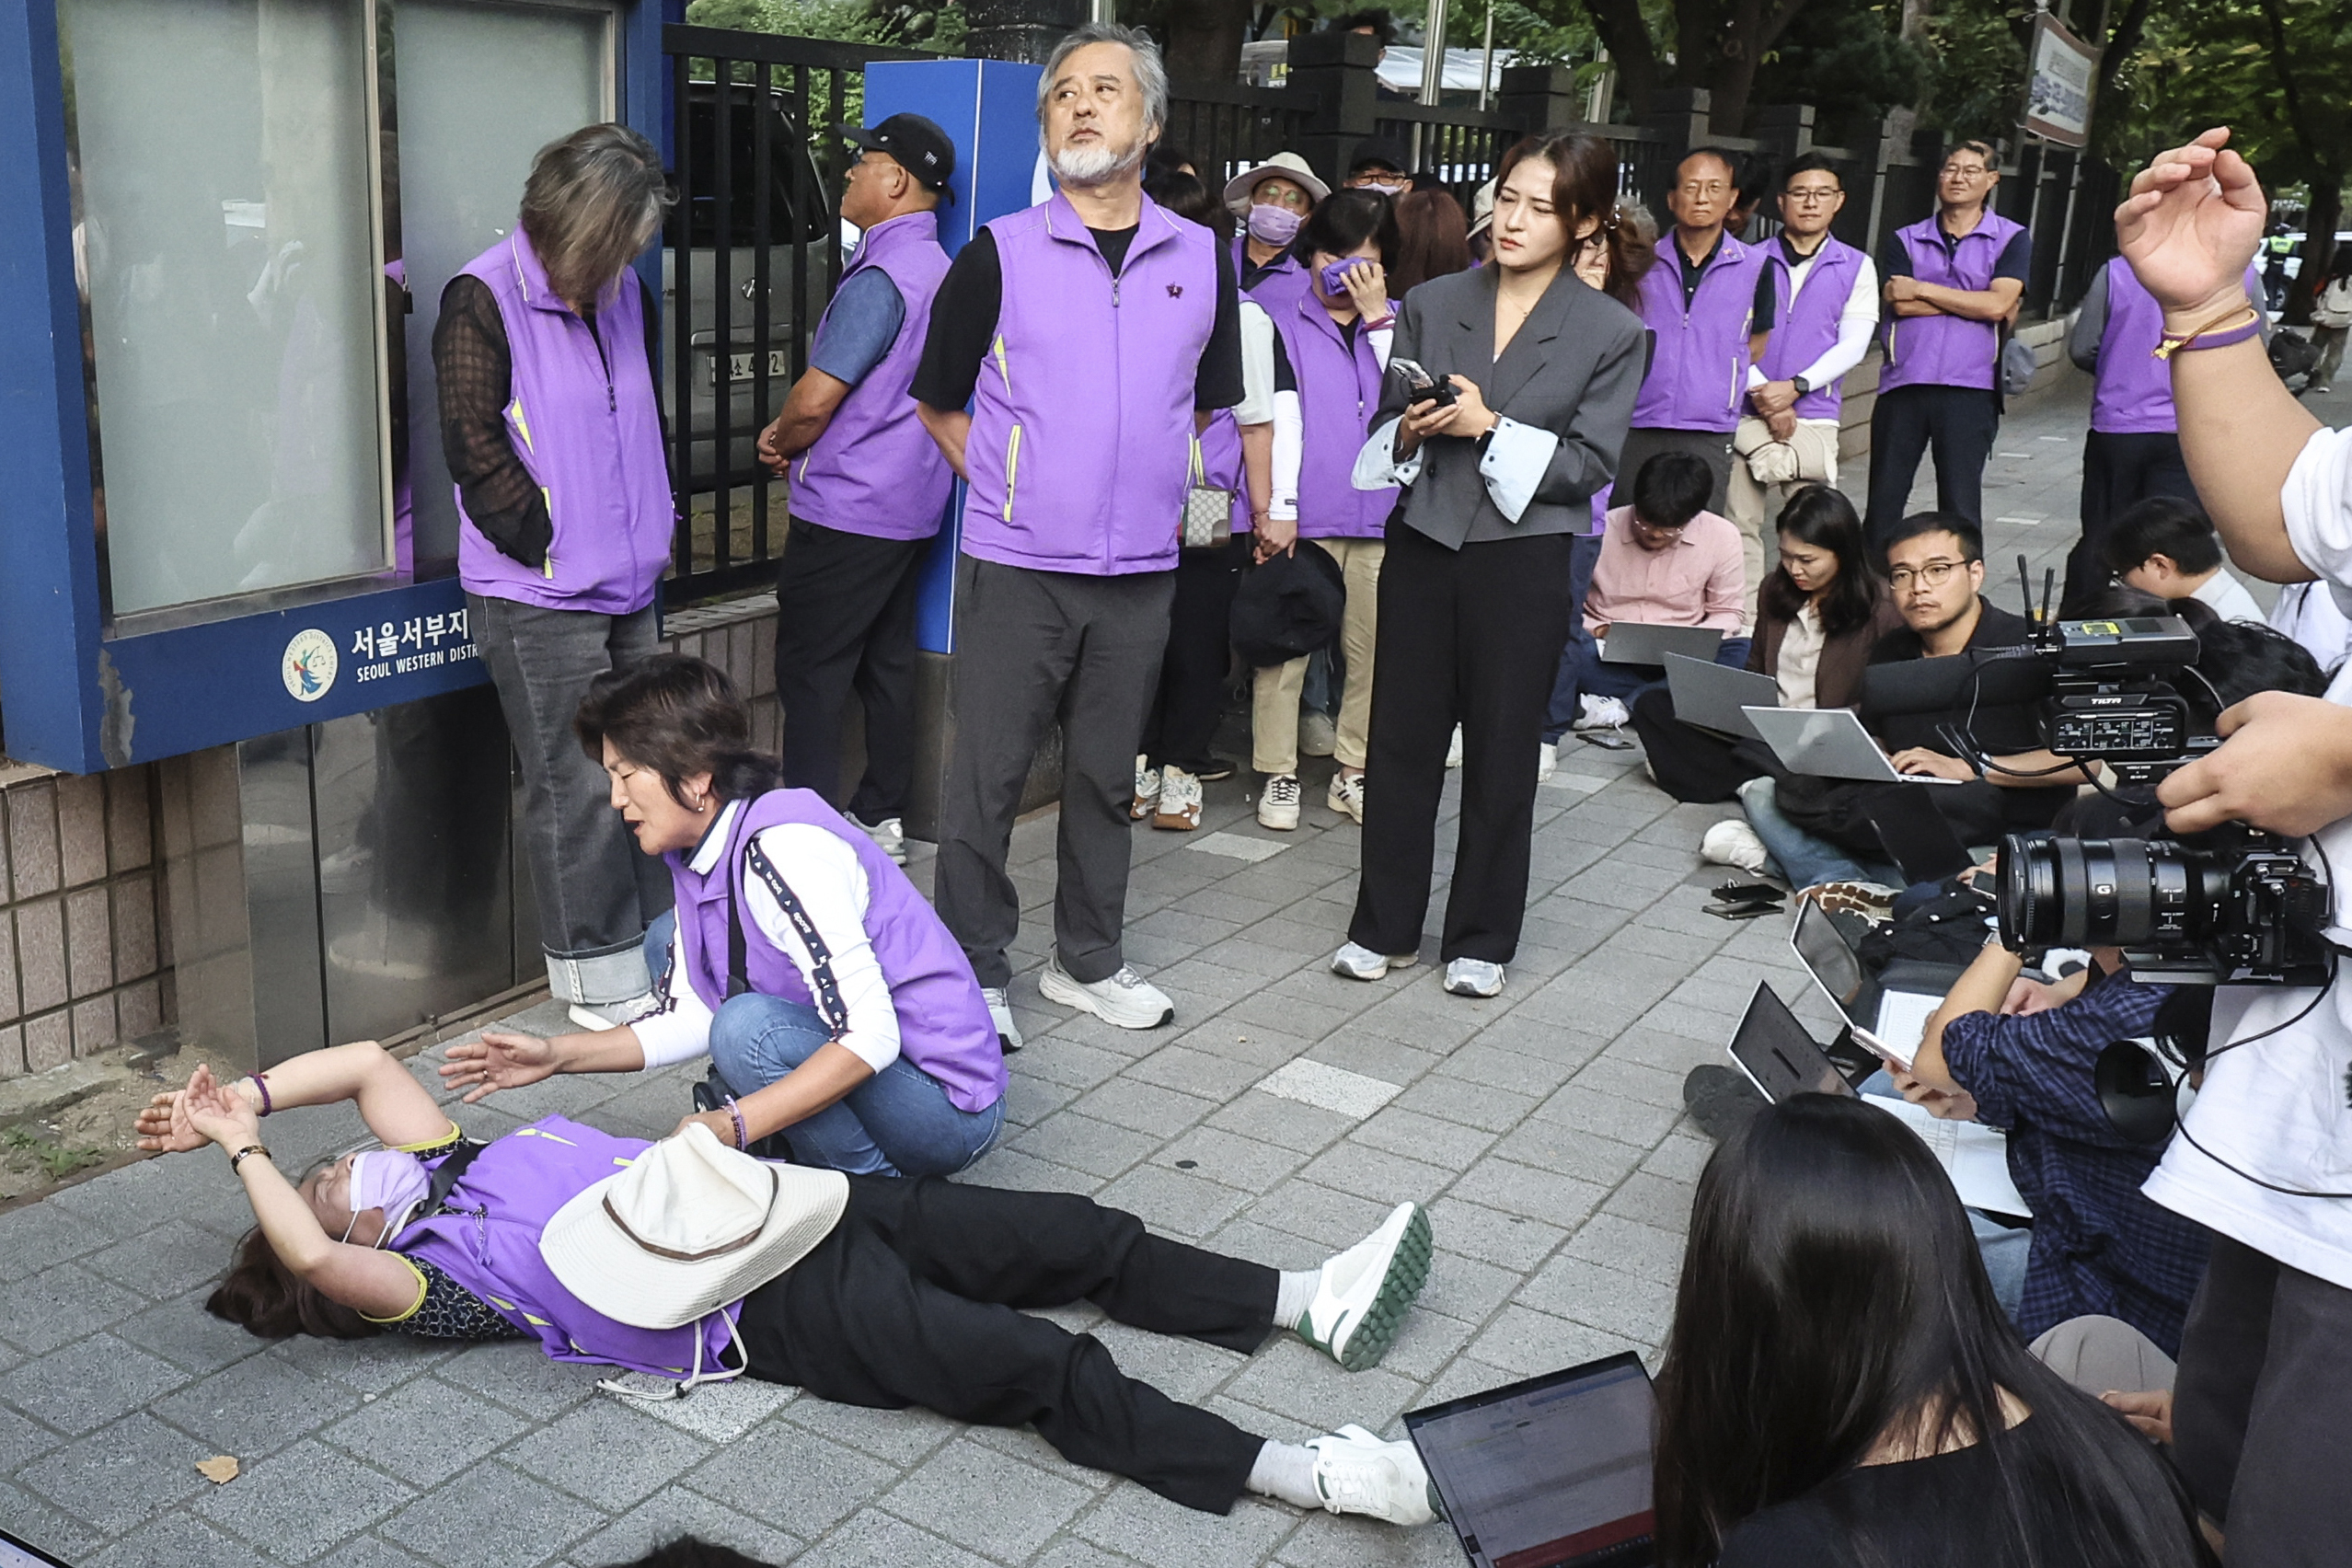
833	1004
891	1292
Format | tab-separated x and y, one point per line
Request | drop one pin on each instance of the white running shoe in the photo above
1358	1473
1346	796
1147	789
1732	842
1126	998
1474	977
1361	1300
1179	801
1454	748
1362	964
1278	803
1547	760
1001	1014
1601	714
1318	736
888	834
598	1016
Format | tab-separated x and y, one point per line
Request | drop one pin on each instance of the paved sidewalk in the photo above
1277	1118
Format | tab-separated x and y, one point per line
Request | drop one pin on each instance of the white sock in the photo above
1298	1294
1286	1472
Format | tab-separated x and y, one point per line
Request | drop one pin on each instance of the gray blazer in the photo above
1573	368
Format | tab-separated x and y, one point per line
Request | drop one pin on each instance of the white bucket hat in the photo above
1290	166
688	1227
1482	209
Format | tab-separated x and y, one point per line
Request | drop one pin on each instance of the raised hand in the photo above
1368	289
2192	222
218	1111
498	1060
164	1127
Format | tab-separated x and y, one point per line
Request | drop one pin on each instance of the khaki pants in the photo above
1274	711
1816	452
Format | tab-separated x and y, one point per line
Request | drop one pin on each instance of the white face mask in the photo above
389	1179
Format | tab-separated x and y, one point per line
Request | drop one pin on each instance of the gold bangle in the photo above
2169	343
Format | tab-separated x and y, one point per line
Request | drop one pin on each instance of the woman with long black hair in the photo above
1840	1386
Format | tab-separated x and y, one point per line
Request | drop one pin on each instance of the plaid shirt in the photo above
2099	1245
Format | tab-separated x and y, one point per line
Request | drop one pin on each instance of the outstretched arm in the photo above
396	1108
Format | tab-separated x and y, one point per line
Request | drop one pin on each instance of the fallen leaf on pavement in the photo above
221	1469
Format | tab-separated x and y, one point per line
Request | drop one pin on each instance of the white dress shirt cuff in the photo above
1516	457
1375	462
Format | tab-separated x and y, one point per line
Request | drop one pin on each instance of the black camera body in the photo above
2110	701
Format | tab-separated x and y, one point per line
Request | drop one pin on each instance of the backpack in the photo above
2018	367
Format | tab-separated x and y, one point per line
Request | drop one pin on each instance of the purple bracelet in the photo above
261	1086
742	1134
2220	340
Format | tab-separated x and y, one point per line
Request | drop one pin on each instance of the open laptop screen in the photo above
15	1553
1553	1472
1824	951
1777	1054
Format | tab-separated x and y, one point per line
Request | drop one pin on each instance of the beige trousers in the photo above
1274	707
1816	453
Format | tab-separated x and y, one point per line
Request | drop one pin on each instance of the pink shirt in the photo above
1696	581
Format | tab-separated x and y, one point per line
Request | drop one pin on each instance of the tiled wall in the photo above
84	959
739	635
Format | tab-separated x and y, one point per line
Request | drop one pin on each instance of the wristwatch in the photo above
1801	384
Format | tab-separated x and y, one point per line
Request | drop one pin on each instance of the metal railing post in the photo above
1333	72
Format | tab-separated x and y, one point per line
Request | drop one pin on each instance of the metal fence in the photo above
1227	126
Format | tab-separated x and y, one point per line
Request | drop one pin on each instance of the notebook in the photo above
1647	643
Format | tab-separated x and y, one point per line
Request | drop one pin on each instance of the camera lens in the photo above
2106	892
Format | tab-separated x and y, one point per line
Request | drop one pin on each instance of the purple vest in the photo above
491	1248
1808	325
943	1025
1081	441
1947	351
876	470
1284	283
1339	392
1698	377
587	427
2132	394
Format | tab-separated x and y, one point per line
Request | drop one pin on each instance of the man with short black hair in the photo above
2166	547
1954	280
1378	165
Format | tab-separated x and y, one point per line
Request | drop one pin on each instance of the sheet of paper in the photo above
1975	1157
1902	1020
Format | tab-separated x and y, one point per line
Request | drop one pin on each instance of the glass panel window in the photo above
225	231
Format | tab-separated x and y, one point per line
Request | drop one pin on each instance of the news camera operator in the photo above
2263	1409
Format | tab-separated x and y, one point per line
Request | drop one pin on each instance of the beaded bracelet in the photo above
261	1087
742	1134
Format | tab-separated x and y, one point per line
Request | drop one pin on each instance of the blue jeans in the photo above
1804	859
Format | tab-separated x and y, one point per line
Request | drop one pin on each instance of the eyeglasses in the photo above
1935	574
1646	526
1964	171
1811	194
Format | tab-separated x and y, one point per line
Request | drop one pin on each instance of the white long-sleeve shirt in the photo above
1857	319
822	872
1290	420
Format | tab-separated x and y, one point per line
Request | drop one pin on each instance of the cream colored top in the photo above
1800	658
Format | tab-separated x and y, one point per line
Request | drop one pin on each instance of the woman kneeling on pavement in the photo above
835	1007
688	1263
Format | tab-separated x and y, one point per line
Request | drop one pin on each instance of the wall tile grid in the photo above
739	635
84	963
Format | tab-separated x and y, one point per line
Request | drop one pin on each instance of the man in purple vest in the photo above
1827	295
1952	280
1093	335
1709	304
869	486
2133	450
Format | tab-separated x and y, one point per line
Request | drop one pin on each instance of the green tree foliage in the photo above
905	24
1976	83
1848	59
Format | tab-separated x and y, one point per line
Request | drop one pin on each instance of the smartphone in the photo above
1740	911
1420	385
1607	739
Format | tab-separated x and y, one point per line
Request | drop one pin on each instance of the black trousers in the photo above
1470	637
2118	471
1692	764
1191	697
914	1298
2261	1409
844	622
1712	447
1959	422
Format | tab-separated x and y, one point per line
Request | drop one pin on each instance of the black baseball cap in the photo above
919	147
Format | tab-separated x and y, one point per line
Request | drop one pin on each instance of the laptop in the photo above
1710	696
1646	642
16	1553
1778	1055
1887	1012
1918	838
1830	742
1553	1472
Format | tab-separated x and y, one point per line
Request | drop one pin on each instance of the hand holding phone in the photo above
1420	385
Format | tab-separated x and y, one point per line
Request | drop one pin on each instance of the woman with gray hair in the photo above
545	353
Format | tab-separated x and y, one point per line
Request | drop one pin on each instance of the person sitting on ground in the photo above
1665	560
1818	618
835	1007
860	1290
1840	1387
2165	546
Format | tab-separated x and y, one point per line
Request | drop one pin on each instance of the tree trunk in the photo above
2319	244
1204	38
1621	27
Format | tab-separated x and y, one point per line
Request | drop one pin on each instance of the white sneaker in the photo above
1346	796
1547	760
1454	748
598	1016
1601	714
1357	1473
1732	842
1278	803
1001	1014
1362	964
1147	789
1360	1300
888	834
1179	801
1318	736
1474	977
1126	998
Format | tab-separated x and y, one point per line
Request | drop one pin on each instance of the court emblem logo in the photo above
308	668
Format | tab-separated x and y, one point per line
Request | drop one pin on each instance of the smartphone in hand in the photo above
1420	385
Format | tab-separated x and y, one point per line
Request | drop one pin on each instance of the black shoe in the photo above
1720	1099
1212	769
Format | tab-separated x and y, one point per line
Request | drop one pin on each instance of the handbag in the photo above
1208	520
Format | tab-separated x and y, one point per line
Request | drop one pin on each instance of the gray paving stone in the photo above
85	1385
518	1374
1292	1380
1096	1146
1525	1343
1652	1200
1174	1203
1367	1173
257	1406
1602	1297
1530	1190
42	1311
118	1475
1466	1105
1167	1535
1513	1241
371	1366
1334	1218
987	1501
1403	1131
32	1239
1588	1109
490	1517
799	1483
1324	1540
1647	1250
183	1333
367	1552
30	1518
21	1439
174	1540
425	1431
1252	1164
1128	1101
607	1454
876	1540
1283	1123
1463	1287
300	1503
674	1512
901	1437
167	1260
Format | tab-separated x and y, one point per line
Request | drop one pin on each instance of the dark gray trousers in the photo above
1030	647
595	893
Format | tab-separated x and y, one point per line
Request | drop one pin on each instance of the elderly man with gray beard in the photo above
1093	335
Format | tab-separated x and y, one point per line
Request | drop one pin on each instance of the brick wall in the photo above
84	959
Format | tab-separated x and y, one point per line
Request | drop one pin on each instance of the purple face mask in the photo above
391	1181
1274	225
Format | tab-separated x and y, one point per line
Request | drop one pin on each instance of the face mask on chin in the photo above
1274	225
389	1179
1384	187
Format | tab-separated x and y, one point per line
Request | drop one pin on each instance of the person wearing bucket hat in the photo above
1481	223
1272	199
688	1263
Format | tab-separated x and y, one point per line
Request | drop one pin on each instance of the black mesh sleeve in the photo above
474	371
